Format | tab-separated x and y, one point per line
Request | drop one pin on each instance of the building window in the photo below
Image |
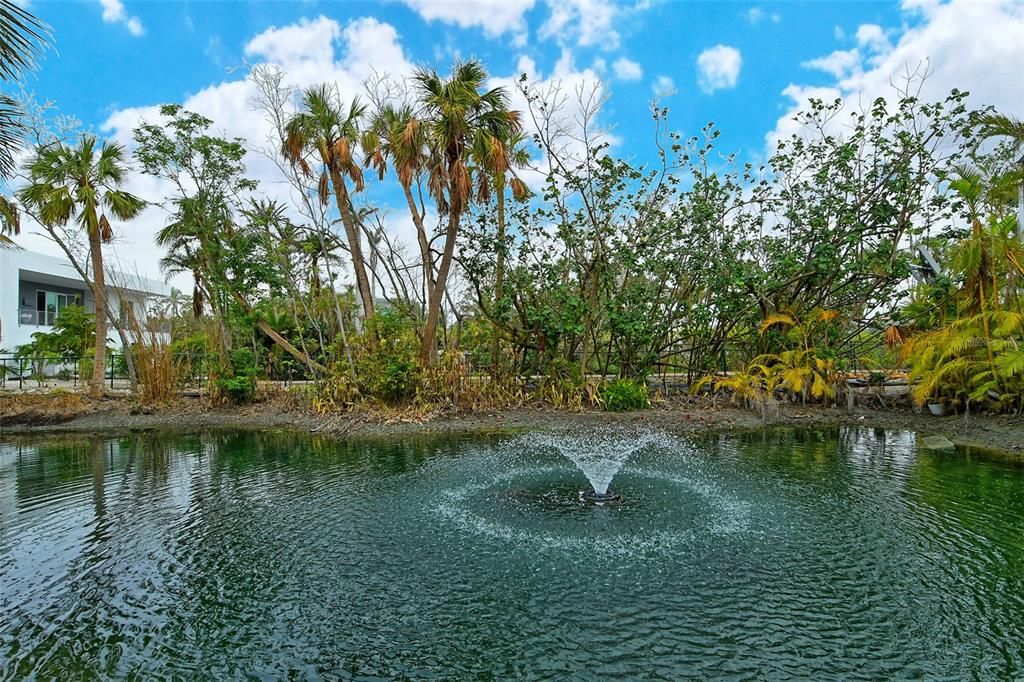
50	303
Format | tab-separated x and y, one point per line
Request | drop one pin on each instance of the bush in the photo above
391	371
238	384
625	394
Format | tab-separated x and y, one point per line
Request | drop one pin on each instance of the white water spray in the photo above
598	454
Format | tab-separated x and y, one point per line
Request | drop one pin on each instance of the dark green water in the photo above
824	554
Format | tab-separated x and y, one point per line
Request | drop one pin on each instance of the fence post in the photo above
21	373
111	371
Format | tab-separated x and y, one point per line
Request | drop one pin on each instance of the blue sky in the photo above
746	66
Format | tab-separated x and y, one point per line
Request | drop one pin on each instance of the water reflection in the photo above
232	554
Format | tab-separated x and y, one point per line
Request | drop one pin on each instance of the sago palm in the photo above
81	184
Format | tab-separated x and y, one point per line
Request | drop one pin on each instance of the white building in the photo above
34	288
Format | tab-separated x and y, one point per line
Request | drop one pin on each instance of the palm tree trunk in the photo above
99	294
499	273
421	238
355	244
428	351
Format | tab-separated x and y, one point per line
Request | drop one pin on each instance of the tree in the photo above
498	159
398	135
81	184
323	131
460	117
23	38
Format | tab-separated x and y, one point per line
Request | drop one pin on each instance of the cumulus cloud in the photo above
940	39
115	13
495	17
839	64
663	86
588	22
627	70
309	51
718	68
872	37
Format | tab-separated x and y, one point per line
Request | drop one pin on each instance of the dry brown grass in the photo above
32	409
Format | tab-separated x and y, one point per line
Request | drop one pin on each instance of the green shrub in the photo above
391	371
238	382
625	394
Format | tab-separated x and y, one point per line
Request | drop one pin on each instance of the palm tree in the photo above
1002	125
81	184
23	38
183	255
498	158
460	117
323	131
399	135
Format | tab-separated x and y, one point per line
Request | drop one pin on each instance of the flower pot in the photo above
938	409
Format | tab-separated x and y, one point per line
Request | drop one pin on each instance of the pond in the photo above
845	553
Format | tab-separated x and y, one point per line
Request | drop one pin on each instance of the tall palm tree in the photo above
23	38
460	116
81	184
498	156
323	131
398	135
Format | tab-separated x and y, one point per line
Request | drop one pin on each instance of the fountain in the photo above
599	455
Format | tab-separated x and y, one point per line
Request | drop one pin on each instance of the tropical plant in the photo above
23	38
81	184
327	134
625	394
460	117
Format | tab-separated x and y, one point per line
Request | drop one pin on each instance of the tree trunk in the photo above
428	352
272	334
421	239
355	244
499	274
99	294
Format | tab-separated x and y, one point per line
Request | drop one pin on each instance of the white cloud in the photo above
495	17
943	38
839	64
588	22
309	51
114	13
308	40
755	15
663	86
718	68
872	36
627	70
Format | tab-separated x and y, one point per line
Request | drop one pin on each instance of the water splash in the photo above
598	453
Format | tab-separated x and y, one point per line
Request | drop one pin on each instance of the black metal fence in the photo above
21	372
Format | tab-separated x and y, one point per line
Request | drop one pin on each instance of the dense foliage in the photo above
543	263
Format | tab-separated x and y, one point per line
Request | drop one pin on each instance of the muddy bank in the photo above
105	416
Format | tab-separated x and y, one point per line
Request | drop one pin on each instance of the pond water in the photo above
828	554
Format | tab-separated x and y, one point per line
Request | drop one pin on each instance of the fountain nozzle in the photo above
600	499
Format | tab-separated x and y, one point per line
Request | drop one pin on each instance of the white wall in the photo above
12	261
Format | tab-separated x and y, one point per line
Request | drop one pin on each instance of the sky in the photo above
748	67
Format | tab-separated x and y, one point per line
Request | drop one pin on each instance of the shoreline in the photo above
998	433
